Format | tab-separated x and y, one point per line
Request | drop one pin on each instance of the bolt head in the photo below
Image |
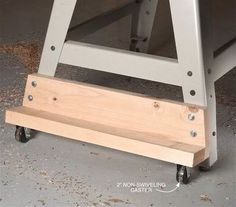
34	83
191	117
30	98
193	133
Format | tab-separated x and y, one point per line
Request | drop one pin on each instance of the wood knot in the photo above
156	105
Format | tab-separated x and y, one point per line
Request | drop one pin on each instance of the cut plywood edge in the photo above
99	134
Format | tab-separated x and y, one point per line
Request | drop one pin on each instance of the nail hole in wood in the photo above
156	105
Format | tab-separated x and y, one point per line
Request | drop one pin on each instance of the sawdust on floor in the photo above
28	53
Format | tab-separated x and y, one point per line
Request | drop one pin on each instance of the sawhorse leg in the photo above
142	25
57	30
195	60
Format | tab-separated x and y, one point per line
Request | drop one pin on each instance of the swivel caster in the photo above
182	174
22	134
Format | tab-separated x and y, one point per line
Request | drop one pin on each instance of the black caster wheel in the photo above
182	176
22	134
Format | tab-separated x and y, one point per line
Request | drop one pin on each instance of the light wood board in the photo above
128	141
116	108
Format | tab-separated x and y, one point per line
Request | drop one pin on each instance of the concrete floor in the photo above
51	171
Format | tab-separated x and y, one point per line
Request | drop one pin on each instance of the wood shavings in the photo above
28	53
205	198
115	200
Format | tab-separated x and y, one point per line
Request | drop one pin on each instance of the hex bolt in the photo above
193	133
191	117
30	97
34	83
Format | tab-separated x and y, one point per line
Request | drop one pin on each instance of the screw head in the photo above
193	133
30	97
34	83
191	117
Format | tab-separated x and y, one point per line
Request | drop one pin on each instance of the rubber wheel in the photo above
182	174
20	135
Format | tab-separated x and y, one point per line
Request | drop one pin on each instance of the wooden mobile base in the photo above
164	130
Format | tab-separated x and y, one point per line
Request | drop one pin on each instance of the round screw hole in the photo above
213	133
190	73
192	92
54	99
30	98
34	83
53	48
